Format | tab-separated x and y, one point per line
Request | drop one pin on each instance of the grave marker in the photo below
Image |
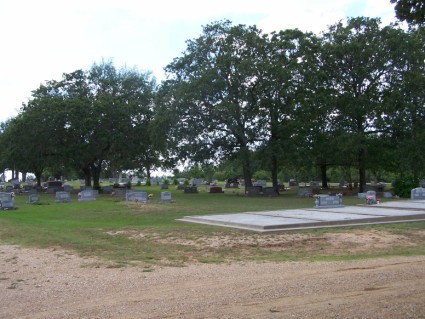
63	197
136	196
371	197
87	195
33	198
327	201
166	197
417	193
6	201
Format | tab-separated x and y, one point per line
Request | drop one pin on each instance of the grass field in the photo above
122	233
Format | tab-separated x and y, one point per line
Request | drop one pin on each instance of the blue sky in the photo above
43	39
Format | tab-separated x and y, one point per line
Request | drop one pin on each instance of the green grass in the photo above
121	233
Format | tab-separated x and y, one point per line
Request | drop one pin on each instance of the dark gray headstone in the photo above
326	201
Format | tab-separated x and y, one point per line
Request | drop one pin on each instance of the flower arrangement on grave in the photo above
370	200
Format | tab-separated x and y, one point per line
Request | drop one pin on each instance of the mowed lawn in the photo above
126	233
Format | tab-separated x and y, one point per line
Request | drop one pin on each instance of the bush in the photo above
148	182
262	175
403	186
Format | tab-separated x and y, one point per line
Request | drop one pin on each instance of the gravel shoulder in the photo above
40	283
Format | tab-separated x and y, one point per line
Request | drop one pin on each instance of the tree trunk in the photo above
96	169
148	172
87	175
323	169
246	167
274	139
274	173
362	170
38	178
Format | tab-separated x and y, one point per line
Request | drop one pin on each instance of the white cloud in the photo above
42	39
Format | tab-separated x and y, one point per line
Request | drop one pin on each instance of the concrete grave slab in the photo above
282	220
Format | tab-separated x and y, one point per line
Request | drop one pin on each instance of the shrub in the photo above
403	186
148	182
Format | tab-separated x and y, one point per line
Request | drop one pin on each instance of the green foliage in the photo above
139	183
411	11
262	175
175	181
403	186
148	182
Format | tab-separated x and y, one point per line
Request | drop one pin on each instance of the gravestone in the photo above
197	182
314	184
108	189
190	190
343	184
232	183
119	192
6	201
136	196
53	187
180	187
27	188
417	193
371	197
63	197
388	195
87	195
422	183
261	182
164	186
216	190
166	197
33	198
253	191
293	182
68	188
82	188
269	191
304	193
327	201
9	188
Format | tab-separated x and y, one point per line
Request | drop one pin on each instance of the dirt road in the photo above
55	284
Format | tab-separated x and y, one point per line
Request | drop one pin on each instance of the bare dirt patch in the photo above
356	241
40	283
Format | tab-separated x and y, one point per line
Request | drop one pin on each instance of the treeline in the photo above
351	97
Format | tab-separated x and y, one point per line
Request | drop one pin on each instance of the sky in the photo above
41	40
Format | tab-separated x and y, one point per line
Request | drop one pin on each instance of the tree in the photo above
289	82
411	11
406	118
359	61
88	119
213	84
